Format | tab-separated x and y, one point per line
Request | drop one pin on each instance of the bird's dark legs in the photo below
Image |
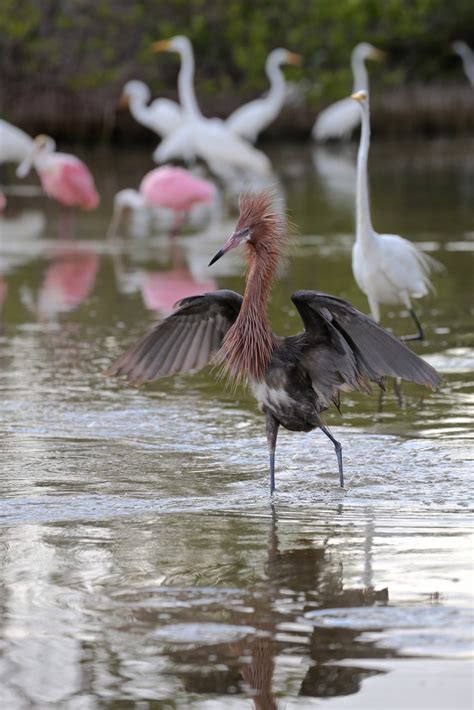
421	333
338	448
272	431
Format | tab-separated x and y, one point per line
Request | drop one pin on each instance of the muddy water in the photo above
141	561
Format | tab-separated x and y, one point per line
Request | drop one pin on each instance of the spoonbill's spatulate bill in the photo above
387	268
296	378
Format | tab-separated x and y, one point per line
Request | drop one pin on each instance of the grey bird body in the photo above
340	350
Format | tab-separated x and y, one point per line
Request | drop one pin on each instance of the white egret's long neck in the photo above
360	77
187	96
139	109
364	229
276	95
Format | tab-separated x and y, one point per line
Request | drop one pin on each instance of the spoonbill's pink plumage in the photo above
175	188
169	187
162	290
64	177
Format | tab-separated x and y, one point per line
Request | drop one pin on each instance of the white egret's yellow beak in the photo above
162	46
377	54
123	101
295	60
359	96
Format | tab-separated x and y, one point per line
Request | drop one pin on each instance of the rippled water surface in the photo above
141	561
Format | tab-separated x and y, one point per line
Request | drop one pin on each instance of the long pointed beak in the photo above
234	240
162	46
123	101
215	258
378	55
295	59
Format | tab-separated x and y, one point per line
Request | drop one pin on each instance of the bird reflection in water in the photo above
161	289
298	580
66	283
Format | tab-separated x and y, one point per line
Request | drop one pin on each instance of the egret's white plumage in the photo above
15	144
250	119
338	120
200	137
387	268
467	56
162	116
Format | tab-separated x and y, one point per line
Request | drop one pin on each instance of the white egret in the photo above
341	118
387	268
467	55
162	116
250	119
205	138
15	144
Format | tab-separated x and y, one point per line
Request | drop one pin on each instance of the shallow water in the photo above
141	561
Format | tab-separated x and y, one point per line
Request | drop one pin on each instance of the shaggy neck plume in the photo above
249	344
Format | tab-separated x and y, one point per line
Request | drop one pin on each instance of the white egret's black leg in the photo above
421	333
272	432
338	447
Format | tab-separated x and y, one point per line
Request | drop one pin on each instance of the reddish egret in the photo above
172	188
387	268
295	378
63	176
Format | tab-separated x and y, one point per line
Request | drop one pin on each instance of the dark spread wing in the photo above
361	347
186	340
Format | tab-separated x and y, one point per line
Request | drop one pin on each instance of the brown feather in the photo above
248	346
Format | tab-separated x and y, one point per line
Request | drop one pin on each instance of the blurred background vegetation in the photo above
63	62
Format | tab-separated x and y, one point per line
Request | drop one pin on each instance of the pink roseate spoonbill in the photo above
252	118
387	268
338	120
169	187
64	177
294	378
